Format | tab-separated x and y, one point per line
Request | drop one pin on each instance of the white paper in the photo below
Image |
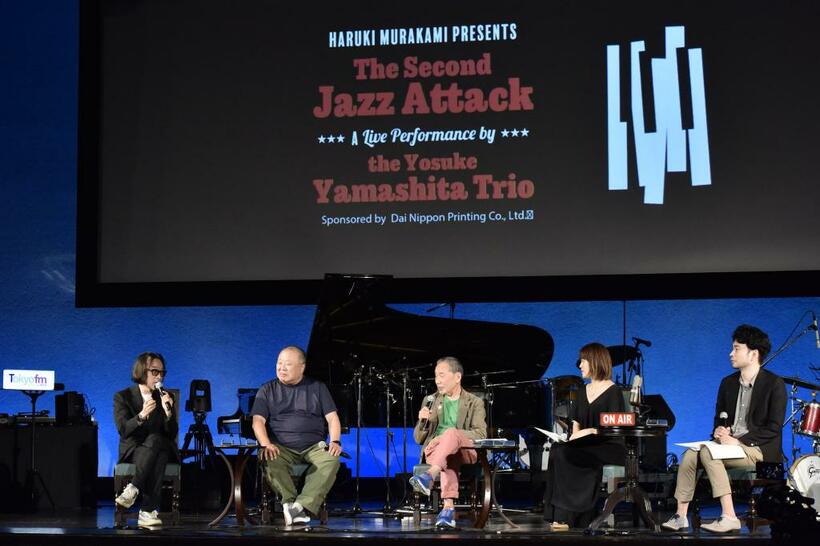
523	452
551	435
718	451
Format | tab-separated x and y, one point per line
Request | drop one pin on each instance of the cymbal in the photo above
567	382
566	387
796	381
621	354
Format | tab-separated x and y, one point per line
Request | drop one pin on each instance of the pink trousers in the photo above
448	455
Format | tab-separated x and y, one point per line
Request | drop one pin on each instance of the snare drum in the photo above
805	477
810	420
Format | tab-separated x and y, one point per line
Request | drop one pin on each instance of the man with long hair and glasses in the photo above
147	425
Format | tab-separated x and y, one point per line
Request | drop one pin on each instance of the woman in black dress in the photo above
575	467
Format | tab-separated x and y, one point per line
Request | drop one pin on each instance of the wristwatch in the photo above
339	443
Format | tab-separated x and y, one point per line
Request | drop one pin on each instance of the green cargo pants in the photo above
319	478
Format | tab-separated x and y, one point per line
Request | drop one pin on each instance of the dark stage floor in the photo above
93	527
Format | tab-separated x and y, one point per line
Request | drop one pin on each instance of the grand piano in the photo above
359	345
357	340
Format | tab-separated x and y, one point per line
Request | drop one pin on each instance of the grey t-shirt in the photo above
295	414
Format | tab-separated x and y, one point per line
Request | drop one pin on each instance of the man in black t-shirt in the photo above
290	414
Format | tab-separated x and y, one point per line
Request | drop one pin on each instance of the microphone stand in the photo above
357	507
387	509
772	356
788	344
404	380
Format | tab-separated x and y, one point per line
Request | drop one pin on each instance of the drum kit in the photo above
804	473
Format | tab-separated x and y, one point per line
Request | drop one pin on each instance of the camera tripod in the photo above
200	433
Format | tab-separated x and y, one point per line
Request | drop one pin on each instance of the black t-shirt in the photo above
295	414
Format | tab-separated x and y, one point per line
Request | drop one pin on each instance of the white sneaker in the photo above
724	524
298	514
676	523
128	496
286	513
148	519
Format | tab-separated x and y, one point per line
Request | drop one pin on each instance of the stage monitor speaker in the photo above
70	408
653	450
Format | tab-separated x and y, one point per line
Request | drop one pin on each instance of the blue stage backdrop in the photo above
92	349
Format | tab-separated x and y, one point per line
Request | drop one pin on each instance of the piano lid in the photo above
354	327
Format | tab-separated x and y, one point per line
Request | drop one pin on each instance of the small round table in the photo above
488	500
631	490
235	471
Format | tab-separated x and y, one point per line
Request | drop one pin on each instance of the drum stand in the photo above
796	406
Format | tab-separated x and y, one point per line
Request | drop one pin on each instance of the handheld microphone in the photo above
635	392
162	392
723	420
639	341
428	403
816	332
325	446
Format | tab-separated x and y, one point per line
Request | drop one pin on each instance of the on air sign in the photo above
617	419
28	380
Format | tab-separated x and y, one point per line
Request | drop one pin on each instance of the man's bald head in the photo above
290	365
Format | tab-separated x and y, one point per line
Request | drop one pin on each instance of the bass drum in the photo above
805	478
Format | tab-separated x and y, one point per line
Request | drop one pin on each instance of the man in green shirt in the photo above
446	426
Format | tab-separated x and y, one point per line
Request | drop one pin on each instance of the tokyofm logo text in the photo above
664	149
22	380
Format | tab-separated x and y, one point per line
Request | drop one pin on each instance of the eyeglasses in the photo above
156	372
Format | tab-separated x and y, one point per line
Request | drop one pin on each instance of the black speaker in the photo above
653	450
70	408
